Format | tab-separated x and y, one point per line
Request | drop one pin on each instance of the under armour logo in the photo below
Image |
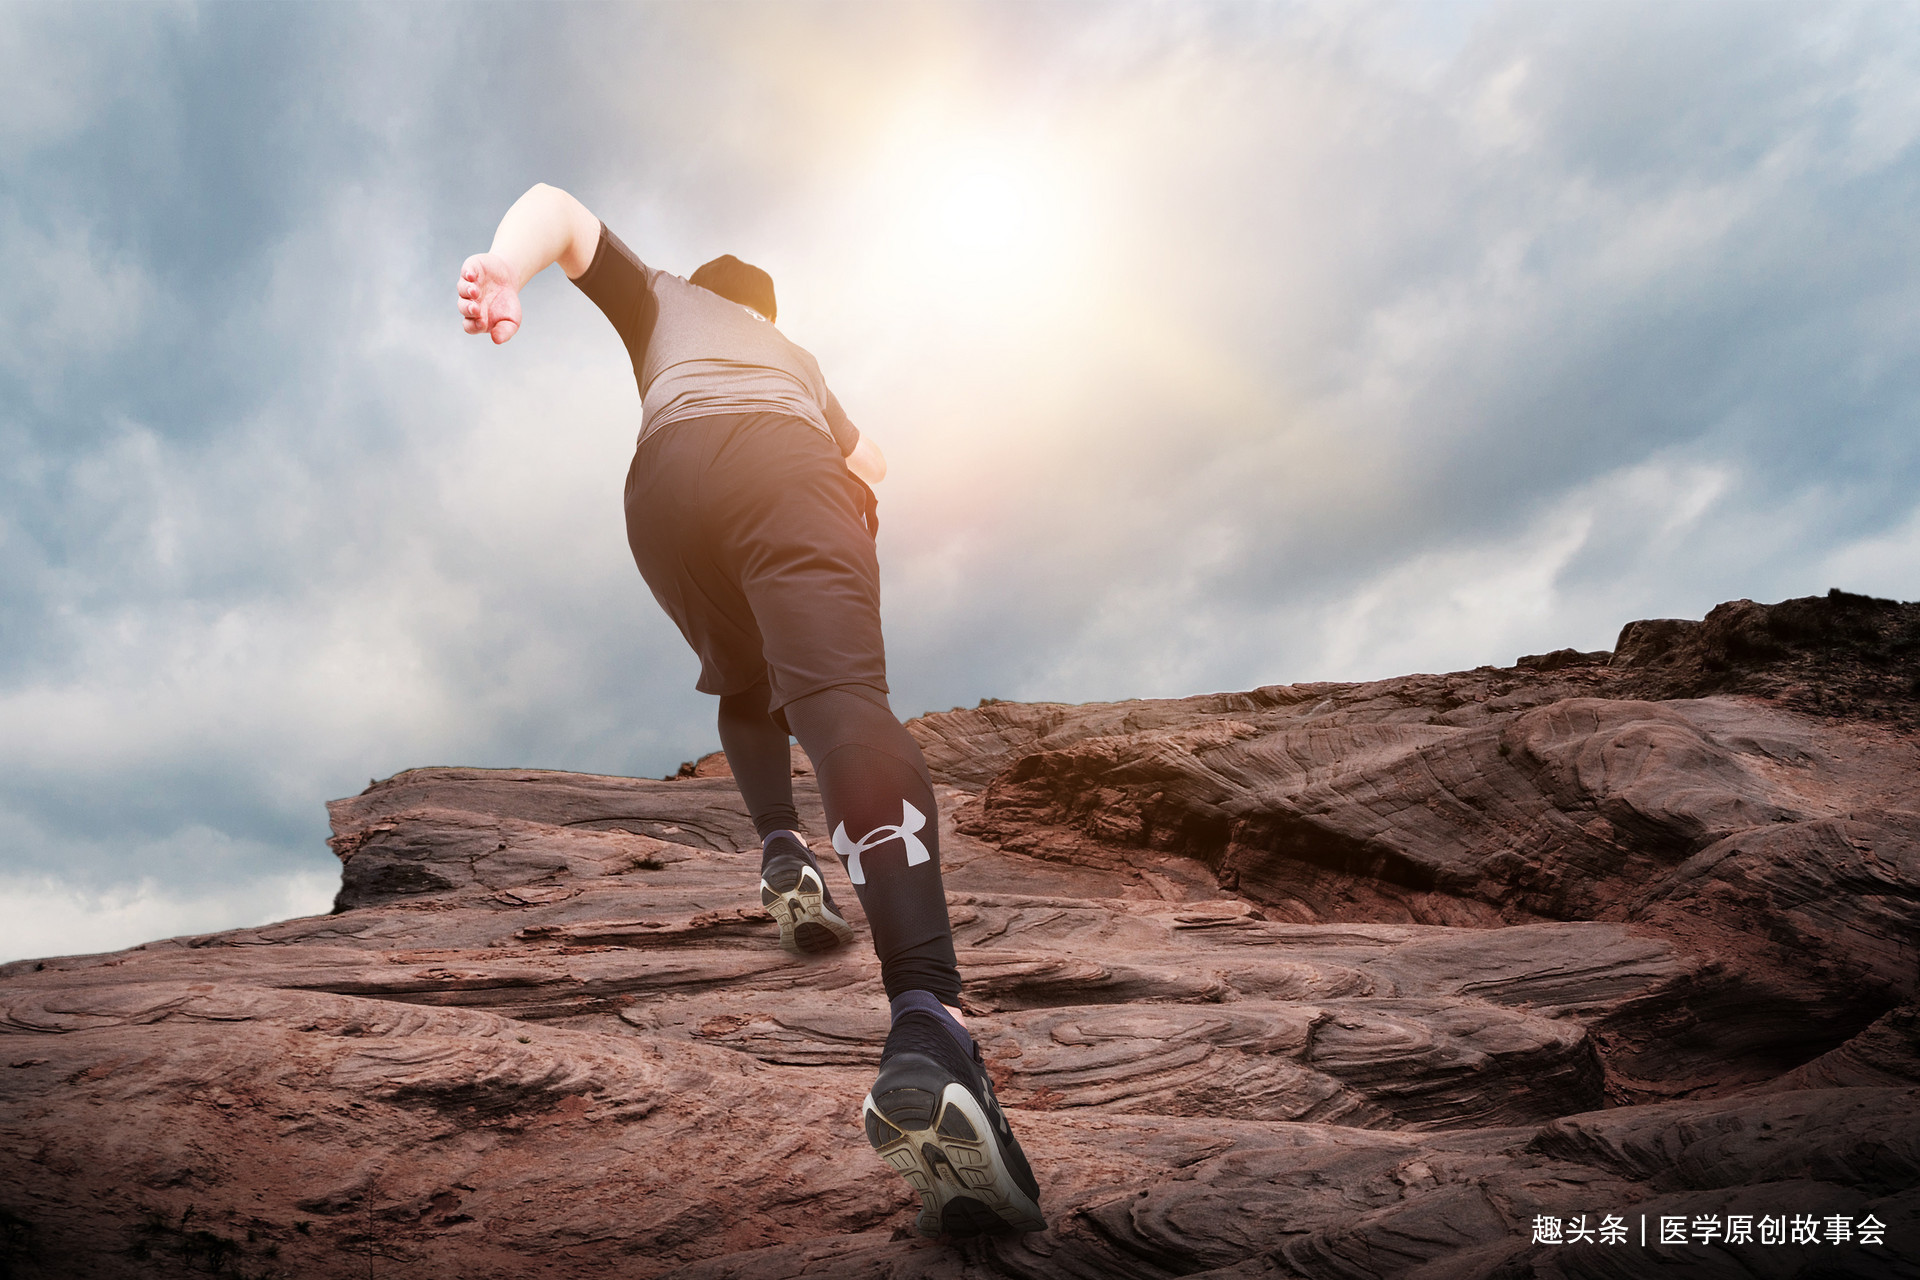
911	820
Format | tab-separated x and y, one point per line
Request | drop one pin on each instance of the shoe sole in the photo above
945	1149
808	926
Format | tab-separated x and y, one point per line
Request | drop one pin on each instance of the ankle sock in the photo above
767	850
927	1002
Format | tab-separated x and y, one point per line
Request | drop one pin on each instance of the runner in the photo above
751	518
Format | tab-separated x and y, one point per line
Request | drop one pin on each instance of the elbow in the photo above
546	192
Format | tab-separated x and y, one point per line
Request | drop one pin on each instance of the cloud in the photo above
1886	564
49	916
1413	330
71	302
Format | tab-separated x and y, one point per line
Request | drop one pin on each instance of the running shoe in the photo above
932	1116
794	894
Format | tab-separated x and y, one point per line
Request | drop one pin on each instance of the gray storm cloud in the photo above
1212	346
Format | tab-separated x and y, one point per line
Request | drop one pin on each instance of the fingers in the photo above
488	302
473	313
469	292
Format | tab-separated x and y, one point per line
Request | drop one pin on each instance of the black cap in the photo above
738	281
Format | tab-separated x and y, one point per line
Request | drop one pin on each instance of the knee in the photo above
749	706
848	714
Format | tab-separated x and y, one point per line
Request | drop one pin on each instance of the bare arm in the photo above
544	226
866	460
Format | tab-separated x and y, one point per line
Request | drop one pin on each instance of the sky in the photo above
1210	345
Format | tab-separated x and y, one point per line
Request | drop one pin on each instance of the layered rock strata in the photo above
1313	980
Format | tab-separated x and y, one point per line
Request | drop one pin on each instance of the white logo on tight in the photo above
911	820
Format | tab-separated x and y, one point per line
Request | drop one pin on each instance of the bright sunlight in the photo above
989	223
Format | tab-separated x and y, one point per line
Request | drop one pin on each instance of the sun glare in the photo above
989	222
983	210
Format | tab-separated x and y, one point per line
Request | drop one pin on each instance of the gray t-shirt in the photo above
697	355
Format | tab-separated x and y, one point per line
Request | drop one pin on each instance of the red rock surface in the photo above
1314	980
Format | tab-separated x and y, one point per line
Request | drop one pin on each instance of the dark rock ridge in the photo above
1839	654
1779	841
1333	980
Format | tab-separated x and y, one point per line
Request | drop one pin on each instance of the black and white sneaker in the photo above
932	1116
793	893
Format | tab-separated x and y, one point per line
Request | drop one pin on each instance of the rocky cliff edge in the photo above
1459	975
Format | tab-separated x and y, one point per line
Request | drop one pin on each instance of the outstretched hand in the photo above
490	296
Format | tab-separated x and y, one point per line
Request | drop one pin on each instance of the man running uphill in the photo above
750	519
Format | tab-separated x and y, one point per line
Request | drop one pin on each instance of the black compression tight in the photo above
880	813
757	753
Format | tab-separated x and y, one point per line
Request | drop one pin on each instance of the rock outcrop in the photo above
1464	975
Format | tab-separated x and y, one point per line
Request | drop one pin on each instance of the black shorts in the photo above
749	530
